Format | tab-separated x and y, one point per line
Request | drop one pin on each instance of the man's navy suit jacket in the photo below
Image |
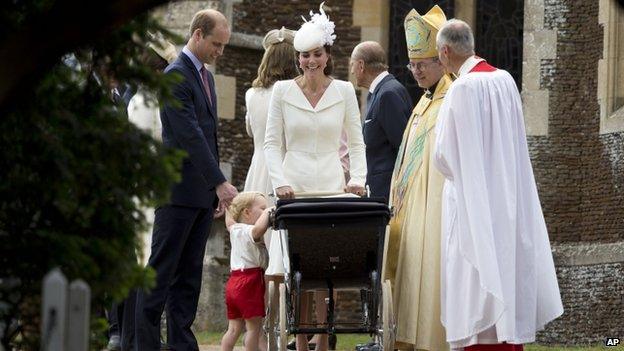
192	127
388	110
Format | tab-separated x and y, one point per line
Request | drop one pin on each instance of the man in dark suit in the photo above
181	227
388	107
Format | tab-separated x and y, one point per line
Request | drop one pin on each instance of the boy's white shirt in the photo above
246	253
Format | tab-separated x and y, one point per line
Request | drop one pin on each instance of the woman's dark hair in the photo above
329	69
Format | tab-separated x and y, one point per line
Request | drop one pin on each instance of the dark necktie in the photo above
204	77
116	96
369	99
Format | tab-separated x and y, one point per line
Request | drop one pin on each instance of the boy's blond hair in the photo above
242	201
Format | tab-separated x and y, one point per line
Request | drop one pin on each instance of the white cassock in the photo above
498	276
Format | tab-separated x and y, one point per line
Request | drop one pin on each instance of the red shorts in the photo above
244	294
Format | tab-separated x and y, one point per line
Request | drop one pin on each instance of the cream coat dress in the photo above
311	138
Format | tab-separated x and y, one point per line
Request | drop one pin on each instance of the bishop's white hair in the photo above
458	36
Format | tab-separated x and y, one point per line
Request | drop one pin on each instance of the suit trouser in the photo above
114	325
178	246
121	321
127	324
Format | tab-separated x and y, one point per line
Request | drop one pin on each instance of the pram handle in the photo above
306	194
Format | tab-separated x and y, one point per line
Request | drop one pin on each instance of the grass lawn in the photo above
347	342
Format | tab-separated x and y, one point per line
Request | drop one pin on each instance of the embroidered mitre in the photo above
421	32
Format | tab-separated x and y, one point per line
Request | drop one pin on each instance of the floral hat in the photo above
315	33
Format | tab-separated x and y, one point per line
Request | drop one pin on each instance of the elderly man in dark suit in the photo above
181	227
388	107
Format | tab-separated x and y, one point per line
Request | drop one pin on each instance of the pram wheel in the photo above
283	332
387	315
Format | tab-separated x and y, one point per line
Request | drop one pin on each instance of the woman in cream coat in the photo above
311	123
306	118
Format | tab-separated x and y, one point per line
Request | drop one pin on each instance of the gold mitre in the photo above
421	31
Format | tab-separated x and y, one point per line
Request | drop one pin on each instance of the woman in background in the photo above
278	63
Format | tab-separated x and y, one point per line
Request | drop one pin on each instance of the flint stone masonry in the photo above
593	305
580	185
235	146
258	17
177	16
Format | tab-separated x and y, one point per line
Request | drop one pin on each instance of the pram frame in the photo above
378	317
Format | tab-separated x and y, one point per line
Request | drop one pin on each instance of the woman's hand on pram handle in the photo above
285	192
356	189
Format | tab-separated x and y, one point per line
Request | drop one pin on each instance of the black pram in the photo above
333	243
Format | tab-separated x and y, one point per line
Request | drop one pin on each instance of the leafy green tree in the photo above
74	172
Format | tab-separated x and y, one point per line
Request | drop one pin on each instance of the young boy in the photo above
247	220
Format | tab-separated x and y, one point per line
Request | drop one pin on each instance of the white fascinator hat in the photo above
315	33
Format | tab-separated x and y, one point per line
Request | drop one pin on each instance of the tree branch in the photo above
32	49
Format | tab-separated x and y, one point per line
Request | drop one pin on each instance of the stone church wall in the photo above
581	179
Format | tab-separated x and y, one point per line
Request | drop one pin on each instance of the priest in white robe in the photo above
498	281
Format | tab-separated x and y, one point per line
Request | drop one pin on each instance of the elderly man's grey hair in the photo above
458	36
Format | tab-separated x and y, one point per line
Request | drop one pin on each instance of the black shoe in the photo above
333	339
